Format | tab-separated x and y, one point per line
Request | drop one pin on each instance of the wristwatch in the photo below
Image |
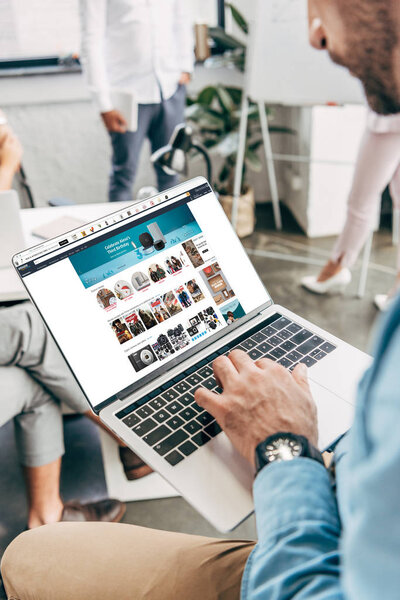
284	446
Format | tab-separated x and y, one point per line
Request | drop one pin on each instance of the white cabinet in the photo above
316	191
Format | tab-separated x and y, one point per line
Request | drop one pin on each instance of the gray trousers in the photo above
34	380
155	122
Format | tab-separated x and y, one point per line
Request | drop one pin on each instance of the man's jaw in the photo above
382	96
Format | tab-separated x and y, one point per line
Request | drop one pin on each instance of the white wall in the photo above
67	151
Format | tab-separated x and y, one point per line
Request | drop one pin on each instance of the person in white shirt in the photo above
143	48
10	154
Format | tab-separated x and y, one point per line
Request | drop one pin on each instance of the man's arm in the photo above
185	40
93	29
298	525
10	157
298	528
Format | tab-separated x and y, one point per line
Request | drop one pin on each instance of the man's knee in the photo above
17	568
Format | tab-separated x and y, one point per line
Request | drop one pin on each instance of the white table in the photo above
11	288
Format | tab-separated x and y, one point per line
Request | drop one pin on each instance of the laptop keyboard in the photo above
174	425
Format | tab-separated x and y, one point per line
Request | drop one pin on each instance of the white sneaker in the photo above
333	285
382	301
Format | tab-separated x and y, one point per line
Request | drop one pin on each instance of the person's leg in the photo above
170	114
26	343
39	437
126	149
92	561
383	301
395	194
377	161
43	491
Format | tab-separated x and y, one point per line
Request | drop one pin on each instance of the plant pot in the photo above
246	212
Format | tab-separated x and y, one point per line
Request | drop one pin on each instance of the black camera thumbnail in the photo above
142	358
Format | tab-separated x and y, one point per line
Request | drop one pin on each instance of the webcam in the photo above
147	242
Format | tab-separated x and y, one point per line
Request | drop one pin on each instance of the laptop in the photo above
142	301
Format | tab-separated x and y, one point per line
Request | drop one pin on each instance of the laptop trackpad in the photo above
335	415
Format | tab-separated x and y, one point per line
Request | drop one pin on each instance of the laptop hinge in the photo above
97	409
228	333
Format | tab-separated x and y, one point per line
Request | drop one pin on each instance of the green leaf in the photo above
228	145
225	99
238	18
235	94
207	95
252	161
224	173
210	122
281	129
193	111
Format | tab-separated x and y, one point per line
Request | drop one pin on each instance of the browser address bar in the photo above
46	257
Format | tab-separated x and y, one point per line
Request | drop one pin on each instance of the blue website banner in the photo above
114	254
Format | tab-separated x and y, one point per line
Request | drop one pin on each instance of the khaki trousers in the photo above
107	561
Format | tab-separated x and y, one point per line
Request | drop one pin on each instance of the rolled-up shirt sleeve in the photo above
298	525
185	37
93	15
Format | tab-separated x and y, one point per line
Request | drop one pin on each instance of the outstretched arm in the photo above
297	555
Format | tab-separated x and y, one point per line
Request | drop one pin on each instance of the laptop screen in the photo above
127	294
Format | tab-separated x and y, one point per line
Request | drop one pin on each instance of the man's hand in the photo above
259	399
114	121
184	78
10	157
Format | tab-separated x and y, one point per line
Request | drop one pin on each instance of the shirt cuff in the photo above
291	491
102	100
187	65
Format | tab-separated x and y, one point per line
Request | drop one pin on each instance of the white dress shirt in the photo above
138	46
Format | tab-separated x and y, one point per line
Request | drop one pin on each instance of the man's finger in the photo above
210	401
224	370
240	359
265	363
300	374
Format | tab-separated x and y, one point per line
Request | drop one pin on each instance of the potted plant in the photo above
215	116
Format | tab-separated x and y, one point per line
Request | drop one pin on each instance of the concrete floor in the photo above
345	316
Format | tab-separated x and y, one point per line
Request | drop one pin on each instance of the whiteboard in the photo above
282	67
34	28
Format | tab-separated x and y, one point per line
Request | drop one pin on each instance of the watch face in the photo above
282	449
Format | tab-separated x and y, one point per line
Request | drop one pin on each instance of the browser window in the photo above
131	298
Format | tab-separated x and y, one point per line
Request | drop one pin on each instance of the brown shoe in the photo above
108	510
134	467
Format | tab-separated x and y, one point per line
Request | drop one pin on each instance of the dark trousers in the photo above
155	122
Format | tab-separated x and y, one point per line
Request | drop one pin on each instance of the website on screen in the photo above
142	294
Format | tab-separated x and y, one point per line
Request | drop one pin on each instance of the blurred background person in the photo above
378	164
143	50
10	154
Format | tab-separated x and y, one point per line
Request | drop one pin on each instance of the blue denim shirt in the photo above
323	542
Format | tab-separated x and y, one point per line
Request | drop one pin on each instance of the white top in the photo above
383	124
136	46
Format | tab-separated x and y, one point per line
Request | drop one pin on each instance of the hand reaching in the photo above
259	399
